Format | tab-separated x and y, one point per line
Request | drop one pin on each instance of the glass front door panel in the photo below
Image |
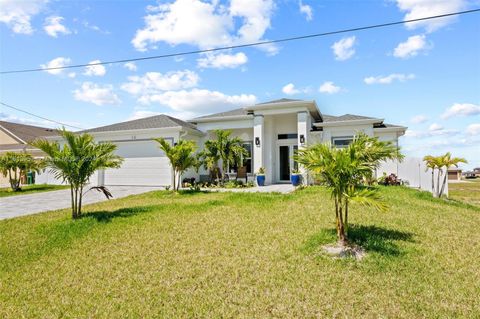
284	166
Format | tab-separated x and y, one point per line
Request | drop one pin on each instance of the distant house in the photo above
454	174
476	171
14	137
468	174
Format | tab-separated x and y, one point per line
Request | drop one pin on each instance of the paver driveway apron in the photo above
21	205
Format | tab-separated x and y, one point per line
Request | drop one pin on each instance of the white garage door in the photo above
144	165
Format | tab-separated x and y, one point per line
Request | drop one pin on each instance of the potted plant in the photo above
296	177
261	176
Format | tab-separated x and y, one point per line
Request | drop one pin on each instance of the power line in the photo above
38	116
315	35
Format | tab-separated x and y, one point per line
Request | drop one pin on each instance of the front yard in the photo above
30	189
241	255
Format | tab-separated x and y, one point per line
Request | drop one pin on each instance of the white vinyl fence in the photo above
413	172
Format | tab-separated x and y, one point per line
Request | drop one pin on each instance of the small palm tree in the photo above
230	149
209	157
343	170
16	165
76	161
181	156
442	163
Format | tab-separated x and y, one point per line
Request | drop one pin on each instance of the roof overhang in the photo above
222	118
288	106
347	123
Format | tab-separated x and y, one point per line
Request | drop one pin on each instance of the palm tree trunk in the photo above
342	239
80	195
443	185
433	181
440	173
346	217
72	200
174	180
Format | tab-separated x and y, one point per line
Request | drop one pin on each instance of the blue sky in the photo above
425	76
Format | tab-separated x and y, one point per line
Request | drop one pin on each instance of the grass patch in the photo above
241	255
30	189
468	191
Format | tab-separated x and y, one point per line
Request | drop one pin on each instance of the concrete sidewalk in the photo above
22	205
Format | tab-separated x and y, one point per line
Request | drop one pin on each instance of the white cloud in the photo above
154	82
130	66
473	129
17	14
56	63
222	60
95	70
411	47
53	26
306	10
435	127
205	24
435	132
389	78
199	101
344	48
290	89
329	88
461	109
418	119
96	94
416	9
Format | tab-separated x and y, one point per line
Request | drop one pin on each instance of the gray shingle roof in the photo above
235	112
279	101
157	121
346	117
26	133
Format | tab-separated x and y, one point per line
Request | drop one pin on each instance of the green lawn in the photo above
216	255
468	191
29	189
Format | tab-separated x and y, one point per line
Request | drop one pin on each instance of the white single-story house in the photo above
271	132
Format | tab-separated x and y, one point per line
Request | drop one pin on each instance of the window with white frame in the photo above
342	141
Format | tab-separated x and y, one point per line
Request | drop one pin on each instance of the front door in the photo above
286	162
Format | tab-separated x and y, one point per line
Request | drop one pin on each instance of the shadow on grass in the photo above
381	240
106	216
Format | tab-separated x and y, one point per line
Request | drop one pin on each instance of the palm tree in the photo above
442	163
16	165
181	156
342	171
210	157
76	161
230	149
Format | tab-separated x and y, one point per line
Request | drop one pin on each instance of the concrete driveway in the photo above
22	205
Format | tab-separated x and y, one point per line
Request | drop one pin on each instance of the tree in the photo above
181	156
76	161
15	166
343	170
440	163
229	149
209	157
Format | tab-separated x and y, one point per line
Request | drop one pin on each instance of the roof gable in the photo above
26	133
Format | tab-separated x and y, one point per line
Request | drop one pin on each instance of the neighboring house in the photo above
454	174
469	174
476	171
271	133
14	137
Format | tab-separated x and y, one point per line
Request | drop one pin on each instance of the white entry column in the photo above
258	142
303	128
